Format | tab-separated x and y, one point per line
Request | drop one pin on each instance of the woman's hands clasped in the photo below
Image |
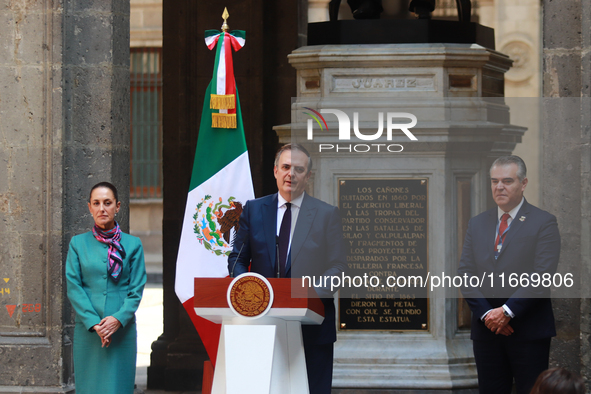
107	327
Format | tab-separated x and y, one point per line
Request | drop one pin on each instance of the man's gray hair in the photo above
505	160
294	147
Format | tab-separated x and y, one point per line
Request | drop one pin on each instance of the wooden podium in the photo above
261	353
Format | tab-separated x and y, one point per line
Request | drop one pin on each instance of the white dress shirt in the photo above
296	204
512	213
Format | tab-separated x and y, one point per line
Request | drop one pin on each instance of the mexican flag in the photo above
220	184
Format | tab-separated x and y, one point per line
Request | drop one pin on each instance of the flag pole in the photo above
221	183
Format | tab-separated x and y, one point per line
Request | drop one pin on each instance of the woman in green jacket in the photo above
106	275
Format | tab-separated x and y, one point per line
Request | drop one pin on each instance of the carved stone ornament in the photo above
521	54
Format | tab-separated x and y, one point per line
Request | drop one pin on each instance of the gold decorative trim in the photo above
222	101
250	296
223	121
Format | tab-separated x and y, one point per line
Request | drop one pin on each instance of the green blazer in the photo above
92	293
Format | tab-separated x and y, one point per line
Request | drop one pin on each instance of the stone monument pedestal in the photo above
455	92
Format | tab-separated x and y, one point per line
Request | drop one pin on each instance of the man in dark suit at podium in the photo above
305	236
511	325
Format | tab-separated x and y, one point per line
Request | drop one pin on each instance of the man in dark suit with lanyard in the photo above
305	235
511	325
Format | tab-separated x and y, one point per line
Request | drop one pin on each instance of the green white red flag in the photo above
220	184
223	85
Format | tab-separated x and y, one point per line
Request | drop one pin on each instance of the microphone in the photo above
277	250
235	261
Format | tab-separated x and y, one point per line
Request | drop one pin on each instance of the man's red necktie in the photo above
501	235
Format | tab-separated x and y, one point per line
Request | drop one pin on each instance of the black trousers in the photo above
319	365
501	360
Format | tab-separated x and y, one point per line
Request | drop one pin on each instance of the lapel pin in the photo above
522	219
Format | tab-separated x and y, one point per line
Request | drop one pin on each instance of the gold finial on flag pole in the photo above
225	15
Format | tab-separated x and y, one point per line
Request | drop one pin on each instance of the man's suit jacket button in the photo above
104	276
104	293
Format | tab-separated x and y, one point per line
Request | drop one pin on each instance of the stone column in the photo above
566	161
64	122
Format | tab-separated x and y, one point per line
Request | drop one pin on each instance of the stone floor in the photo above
149	327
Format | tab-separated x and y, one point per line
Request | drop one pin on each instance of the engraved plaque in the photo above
383	83
385	225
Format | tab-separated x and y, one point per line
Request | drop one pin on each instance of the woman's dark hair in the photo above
558	380
108	186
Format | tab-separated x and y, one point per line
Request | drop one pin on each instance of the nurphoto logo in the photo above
392	123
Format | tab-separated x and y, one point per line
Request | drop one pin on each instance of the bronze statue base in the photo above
400	31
